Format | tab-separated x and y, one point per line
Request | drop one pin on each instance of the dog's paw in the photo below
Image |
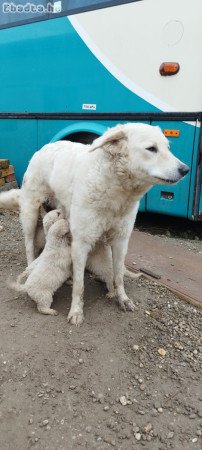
50	311
126	304
75	318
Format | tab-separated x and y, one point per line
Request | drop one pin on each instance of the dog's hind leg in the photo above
119	249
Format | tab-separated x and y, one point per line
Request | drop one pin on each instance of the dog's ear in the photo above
113	142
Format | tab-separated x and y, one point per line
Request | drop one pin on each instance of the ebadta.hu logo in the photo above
47	7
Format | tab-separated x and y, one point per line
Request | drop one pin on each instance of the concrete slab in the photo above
168	263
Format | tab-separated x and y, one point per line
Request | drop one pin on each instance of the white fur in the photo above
99	186
51	269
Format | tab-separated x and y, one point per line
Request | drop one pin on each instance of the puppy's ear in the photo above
114	142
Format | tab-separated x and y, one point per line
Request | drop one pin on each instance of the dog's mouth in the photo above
166	180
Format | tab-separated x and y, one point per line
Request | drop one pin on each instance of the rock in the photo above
192	416
138	436
170	434
45	422
178	346
100	397
148	427
135	347
162	352
106	408
160	410
123	400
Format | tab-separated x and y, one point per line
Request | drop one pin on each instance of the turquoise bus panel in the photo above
193	188
48	68
18	142
174	199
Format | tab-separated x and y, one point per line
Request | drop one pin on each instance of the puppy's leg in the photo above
29	217
119	249
43	300
80	252
99	262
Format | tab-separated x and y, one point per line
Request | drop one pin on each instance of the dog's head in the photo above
141	152
50	218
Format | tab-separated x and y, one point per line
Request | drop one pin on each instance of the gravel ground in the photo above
122	380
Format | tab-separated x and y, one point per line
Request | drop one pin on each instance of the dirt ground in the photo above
121	380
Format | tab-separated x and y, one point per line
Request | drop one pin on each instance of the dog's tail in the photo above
10	199
132	275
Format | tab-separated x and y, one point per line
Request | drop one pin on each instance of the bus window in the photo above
87	5
21	11
18	12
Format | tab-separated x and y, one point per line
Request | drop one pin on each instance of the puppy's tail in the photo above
17	286
10	199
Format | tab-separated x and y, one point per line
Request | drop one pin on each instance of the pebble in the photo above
88	429
106	408
142	387
80	361
148	428
45	422
194	440
1	228
170	434
192	416
135	347
138	436
160	410
123	400
100	397
178	346
162	352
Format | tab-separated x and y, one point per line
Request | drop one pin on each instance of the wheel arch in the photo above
85	127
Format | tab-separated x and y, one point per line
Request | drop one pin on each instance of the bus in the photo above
70	69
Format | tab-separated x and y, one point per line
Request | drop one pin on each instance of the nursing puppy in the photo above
100	186
52	268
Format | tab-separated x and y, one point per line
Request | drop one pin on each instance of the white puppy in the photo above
100	186
52	268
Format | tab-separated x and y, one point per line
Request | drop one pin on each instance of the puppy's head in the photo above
59	229
141	153
50	218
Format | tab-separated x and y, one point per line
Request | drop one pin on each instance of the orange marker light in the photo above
171	133
169	68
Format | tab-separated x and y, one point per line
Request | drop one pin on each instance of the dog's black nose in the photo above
183	170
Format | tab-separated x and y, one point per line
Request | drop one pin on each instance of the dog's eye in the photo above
152	149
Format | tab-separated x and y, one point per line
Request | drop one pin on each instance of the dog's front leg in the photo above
80	252
119	250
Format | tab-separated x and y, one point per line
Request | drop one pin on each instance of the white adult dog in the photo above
52	268
99	186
